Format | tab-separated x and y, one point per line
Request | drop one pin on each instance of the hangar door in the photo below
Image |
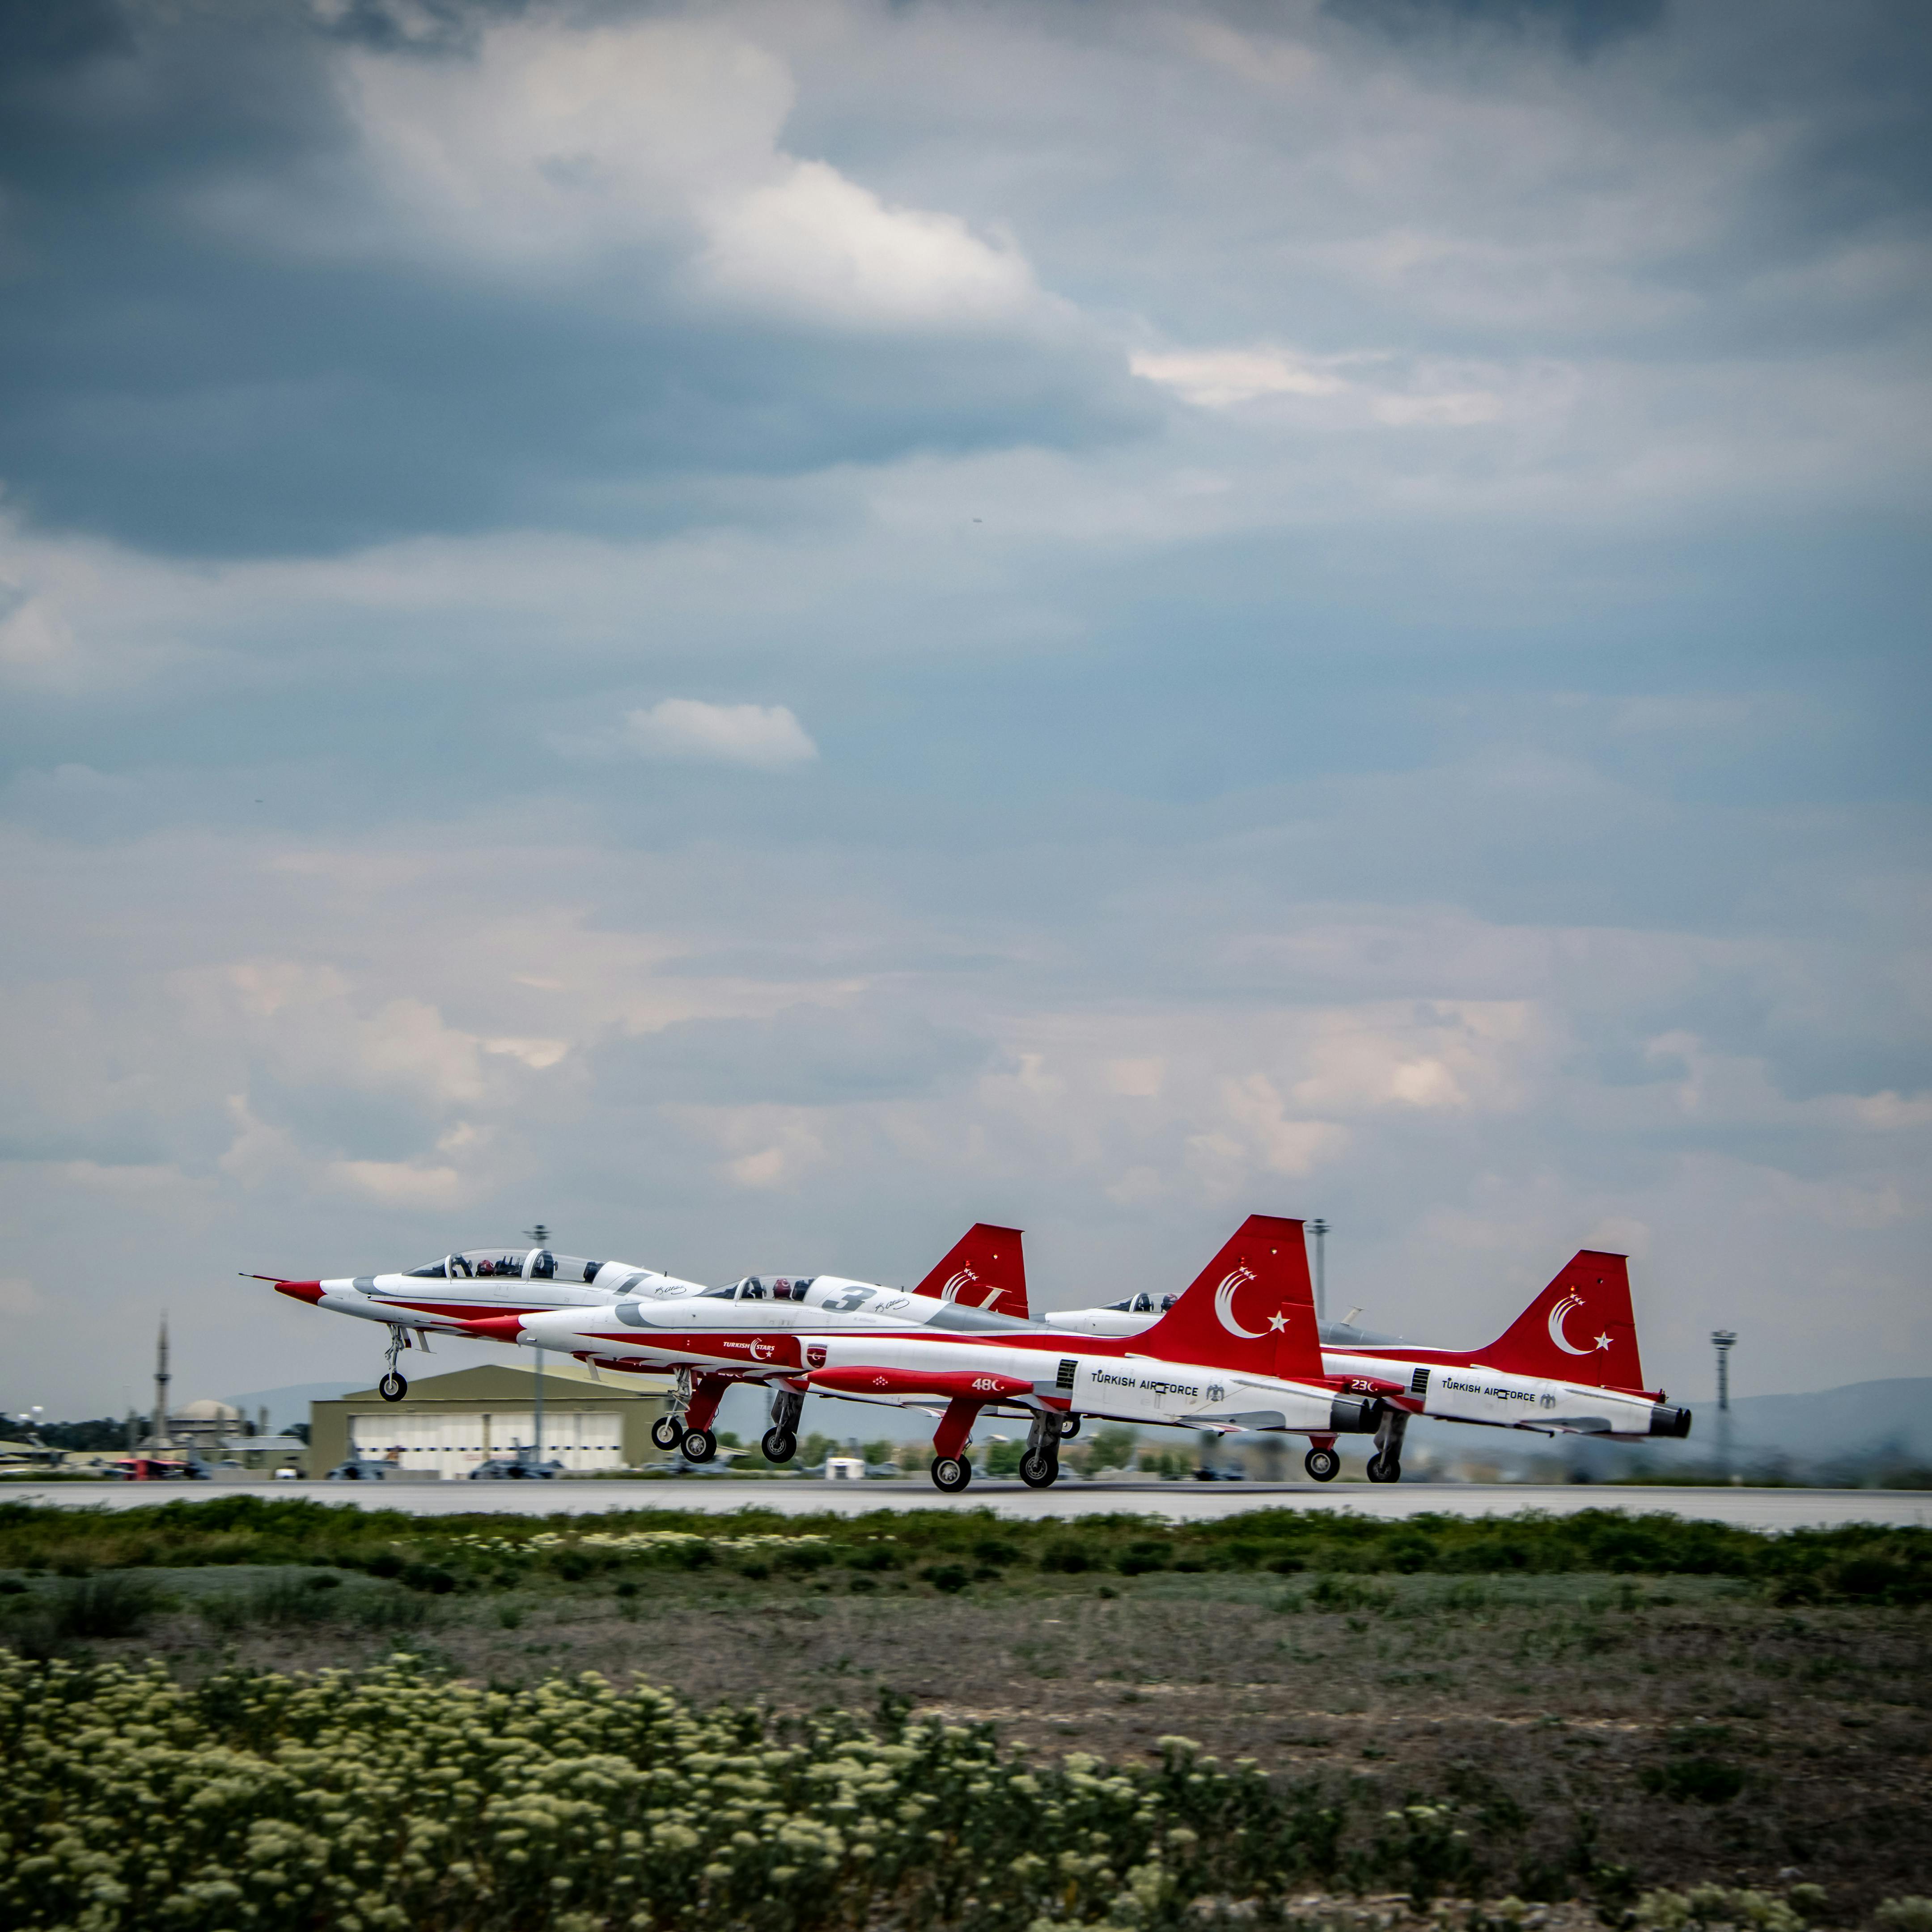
451	1445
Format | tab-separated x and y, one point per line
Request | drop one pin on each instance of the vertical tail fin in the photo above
1580	1329
986	1268
1251	1309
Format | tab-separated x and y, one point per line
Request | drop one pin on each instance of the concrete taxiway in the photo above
1171	1501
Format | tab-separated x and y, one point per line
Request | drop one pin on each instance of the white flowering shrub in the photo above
392	1799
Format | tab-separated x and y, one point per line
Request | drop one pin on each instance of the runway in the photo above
1170	1501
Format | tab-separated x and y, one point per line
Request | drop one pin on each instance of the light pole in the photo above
539	1236
1724	1340
1318	1228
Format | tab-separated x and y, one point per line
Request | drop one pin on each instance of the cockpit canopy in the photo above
1144	1304
764	1287
509	1263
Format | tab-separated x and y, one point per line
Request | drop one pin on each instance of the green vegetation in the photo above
1854	1564
388	1799
1492	1712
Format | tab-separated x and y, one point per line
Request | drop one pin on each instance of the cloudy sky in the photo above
757	630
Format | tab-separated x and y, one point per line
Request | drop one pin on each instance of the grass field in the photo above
1591	1707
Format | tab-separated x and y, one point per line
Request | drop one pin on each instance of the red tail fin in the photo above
1579	1329
986	1268
1251	1309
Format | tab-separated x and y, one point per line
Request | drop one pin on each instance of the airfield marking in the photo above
1175	1501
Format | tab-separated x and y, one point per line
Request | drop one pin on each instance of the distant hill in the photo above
1859	1419
289	1404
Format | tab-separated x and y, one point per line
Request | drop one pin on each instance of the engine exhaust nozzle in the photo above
1353	1415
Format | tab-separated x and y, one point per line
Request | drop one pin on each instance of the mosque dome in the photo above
207	1409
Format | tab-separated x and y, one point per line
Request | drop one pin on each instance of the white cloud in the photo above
558	146
766	737
1217	379
813	240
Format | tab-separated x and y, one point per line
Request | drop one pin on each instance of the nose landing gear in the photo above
1385	1465
1039	1467
392	1387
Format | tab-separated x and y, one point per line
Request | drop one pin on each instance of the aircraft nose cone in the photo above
300	1291
496	1328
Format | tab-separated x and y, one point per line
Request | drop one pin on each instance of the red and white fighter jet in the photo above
1568	1365
1238	1350
465	1294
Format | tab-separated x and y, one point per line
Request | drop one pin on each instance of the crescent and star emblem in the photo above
1224	1304
1556	1334
965	1278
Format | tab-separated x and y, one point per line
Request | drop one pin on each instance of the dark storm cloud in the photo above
174	384
1583	26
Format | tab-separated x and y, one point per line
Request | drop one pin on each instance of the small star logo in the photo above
1602	1341
1277	1321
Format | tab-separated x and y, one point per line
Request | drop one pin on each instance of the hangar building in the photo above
447	1425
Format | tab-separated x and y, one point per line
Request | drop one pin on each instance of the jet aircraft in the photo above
1534	1376
984	1269
1238	1350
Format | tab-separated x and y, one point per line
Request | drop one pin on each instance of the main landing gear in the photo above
392	1387
779	1443
1385	1465
687	1428
1321	1464
951	1469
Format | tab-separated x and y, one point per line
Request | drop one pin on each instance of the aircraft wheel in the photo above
1069	1427
777	1445
667	1432
392	1387
951	1473
1039	1472
1322	1464
1380	1470
699	1445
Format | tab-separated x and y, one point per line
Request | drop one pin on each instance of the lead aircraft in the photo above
1238	1350
1568	1365
462	1294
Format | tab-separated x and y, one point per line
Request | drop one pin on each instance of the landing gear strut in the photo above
1039	1467
392	1387
951	1469
1385	1465
779	1443
695	1406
